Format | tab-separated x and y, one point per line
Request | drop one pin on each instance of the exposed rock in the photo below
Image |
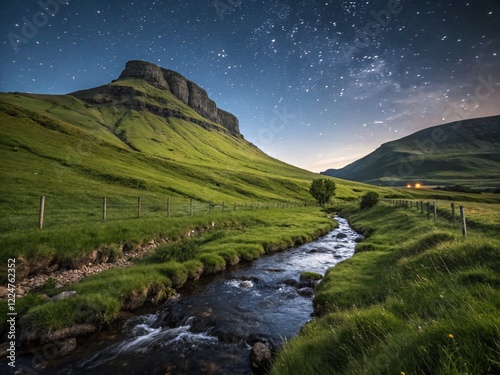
52	268
178	85
186	91
260	358
149	72
341	235
292	283
246	284
306	292
3	291
63	295
200	102
76	330
228	120
4	349
68	346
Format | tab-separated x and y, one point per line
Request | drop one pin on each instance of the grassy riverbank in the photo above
416	298
236	236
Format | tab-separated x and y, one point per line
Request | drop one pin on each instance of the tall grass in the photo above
416	298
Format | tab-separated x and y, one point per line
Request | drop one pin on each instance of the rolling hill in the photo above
465	152
150	133
135	134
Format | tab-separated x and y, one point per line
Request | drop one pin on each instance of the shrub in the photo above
180	251
369	199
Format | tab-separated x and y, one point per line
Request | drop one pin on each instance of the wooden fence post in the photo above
435	211
422	207
462	219
453	213
190	206
168	207
139	204
104	209
41	212
428	210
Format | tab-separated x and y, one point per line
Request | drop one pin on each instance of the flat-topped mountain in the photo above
167	82
465	152
150	133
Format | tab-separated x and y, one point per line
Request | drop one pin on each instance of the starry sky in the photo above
317	84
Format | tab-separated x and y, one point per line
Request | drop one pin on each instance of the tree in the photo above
369	199
322	190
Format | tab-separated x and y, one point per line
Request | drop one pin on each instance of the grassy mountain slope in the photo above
465	152
124	140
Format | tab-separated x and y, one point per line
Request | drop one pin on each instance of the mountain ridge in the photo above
461	152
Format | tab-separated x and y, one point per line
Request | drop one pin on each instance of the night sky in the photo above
317	84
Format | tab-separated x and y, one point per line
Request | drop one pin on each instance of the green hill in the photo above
126	137
465	152
151	133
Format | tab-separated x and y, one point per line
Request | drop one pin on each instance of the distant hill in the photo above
464	152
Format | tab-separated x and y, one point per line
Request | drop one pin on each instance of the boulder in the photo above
260	358
63	295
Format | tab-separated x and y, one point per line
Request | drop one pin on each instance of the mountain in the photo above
151	133
464	152
150	130
123	92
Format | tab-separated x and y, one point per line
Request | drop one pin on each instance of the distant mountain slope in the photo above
465	152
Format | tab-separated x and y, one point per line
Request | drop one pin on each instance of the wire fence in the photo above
447	210
49	211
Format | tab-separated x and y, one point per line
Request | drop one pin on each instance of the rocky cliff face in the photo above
186	91
148	72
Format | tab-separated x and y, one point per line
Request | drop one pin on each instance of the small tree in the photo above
322	190
369	199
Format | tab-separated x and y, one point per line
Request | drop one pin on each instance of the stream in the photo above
211	327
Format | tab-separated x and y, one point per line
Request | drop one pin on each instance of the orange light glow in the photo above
408	186
418	186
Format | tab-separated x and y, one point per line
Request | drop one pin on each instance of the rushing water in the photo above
210	329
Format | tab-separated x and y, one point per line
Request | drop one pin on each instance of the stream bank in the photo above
214	324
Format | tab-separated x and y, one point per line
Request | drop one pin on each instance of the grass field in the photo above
416	298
